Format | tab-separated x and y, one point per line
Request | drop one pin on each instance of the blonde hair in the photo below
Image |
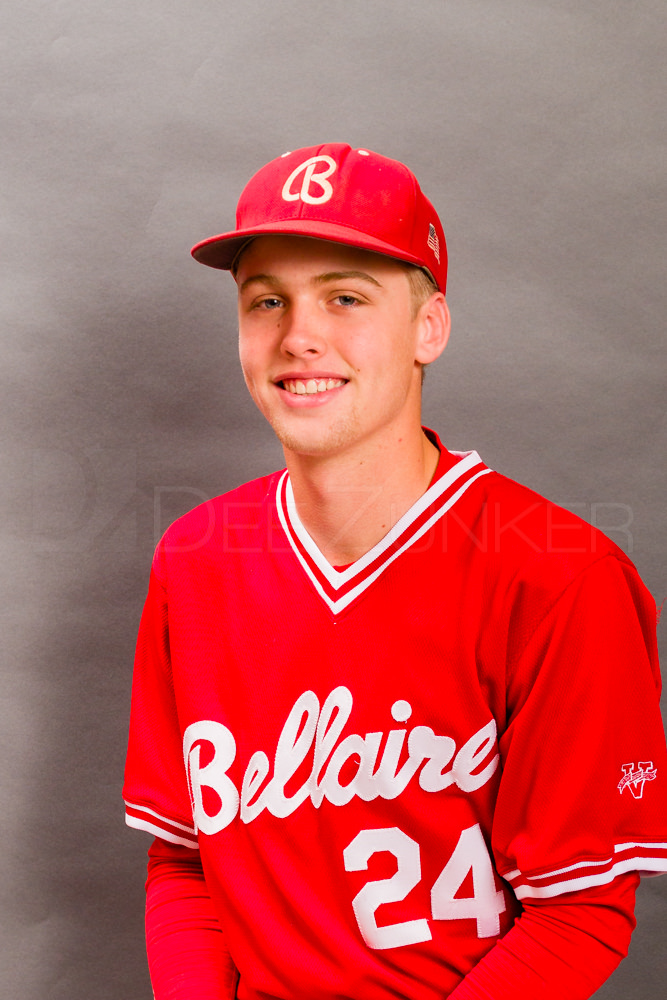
422	287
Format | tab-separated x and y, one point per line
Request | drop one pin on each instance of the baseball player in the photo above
395	723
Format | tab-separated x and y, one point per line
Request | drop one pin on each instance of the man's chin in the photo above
314	442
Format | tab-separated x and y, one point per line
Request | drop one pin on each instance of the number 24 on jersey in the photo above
470	855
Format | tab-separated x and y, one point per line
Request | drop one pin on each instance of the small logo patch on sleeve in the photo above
634	776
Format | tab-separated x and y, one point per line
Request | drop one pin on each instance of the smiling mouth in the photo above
306	387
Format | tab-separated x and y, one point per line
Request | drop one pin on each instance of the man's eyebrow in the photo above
323	279
262	279
319	279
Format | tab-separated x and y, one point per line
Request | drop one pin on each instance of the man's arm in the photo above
187	956
561	948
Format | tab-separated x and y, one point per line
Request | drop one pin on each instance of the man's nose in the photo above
302	330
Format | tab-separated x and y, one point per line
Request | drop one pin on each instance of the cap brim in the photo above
221	251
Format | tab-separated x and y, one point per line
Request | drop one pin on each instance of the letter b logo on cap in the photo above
311	177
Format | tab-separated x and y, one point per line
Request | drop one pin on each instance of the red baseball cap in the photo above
334	192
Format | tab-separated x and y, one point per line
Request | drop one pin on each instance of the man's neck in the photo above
348	503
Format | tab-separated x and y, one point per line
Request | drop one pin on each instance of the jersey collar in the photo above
339	588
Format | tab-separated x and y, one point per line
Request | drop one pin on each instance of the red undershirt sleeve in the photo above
187	956
562	948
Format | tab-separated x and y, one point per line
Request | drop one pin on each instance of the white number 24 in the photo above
470	855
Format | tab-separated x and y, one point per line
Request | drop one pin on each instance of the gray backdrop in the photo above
129	129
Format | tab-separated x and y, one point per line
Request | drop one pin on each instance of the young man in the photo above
395	718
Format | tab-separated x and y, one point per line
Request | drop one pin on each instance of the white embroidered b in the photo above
310	177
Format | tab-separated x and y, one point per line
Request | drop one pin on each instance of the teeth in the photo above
303	387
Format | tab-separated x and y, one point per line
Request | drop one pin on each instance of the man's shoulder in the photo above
530	536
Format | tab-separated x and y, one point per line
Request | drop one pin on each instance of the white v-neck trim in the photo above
332	584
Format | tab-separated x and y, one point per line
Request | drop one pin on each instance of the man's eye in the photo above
269	304
347	300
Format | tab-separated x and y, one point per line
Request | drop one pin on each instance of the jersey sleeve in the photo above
583	792
155	791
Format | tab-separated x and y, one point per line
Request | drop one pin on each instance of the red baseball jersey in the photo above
377	763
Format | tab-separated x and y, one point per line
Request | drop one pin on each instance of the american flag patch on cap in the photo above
433	241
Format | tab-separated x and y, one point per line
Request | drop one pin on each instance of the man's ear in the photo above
434	326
